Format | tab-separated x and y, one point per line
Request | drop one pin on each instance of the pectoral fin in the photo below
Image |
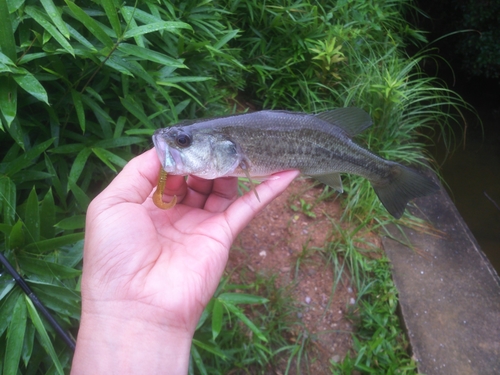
244	168
333	180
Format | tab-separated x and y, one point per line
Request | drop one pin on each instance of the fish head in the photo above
200	152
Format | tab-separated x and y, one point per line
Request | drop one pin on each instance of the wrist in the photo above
120	340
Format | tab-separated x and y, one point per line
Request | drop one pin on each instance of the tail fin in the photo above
403	185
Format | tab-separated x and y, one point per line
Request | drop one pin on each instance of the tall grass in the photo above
293	50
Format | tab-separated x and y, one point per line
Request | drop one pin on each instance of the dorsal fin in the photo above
205	119
351	119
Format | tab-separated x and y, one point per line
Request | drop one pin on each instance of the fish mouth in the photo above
170	158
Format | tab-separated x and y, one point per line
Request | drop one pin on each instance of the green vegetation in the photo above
84	84
305	208
379	347
233	340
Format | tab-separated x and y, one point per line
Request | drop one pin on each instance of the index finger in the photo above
244	209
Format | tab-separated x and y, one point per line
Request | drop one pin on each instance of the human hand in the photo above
149	273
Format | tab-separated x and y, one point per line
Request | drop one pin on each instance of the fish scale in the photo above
337	153
261	143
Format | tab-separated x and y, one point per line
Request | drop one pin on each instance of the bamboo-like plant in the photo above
83	85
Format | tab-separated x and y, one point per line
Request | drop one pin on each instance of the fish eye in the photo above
183	140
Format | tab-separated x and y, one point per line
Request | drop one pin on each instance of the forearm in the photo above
110	345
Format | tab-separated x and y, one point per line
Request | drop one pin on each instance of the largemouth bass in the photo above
261	143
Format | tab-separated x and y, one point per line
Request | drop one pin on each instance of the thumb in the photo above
134	183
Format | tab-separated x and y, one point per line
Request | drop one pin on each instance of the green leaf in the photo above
100	113
217	314
71	223
8	200
15	337
30	175
48	215
210	348
16	237
118	142
33	56
7	283
133	67
181	79
17	132
137	111
29	83
32	218
64	301
226	38
147	132
68	149
80	38
55	16
6	62
80	113
205	314
172	26
6	309
54	243
147	54
129	11
120	124
41	267
27	158
29	340
56	182
89	23
39	18
108	157
5	229
179	107
131	23
198	360
238	298
15	5
8	98
110	9
72	255
80	196
79	164
10	155
43	335
170	84
94	94
7	41
118	65
239	313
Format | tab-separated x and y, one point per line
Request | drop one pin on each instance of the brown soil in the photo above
288	247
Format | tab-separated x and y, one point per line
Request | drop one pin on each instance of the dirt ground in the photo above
289	245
